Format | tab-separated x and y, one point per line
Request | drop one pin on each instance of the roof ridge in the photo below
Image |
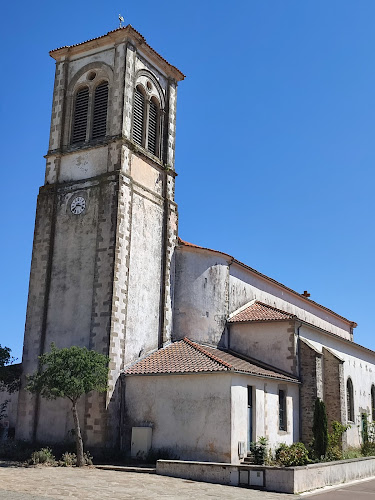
206	353
274	309
182	242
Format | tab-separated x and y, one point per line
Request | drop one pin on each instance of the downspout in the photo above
298	354
227	324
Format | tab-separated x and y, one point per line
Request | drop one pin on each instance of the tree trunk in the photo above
79	442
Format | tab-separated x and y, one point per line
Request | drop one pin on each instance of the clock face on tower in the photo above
78	205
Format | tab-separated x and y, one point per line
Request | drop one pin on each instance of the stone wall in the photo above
311	377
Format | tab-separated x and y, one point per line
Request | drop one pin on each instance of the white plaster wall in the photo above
359	364
70	299
200	296
142	325
209	288
194	421
270	343
141	62
84	164
106	55
246	286
265	412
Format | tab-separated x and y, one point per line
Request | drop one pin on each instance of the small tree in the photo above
70	373
9	373
320	428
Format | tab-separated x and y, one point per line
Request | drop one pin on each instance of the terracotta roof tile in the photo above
260	312
186	356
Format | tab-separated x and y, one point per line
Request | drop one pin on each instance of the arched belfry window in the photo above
147	114
138	116
350	400
81	106
373	402
89	120
99	120
153	121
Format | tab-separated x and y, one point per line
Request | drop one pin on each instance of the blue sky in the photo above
275	136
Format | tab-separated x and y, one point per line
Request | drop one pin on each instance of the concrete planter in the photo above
280	479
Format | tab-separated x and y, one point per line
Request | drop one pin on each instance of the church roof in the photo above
232	260
260	312
185	356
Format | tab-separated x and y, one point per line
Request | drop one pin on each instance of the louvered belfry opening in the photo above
152	128
138	116
80	116
99	118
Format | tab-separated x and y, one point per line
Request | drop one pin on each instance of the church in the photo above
206	353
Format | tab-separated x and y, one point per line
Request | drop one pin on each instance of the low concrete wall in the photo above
280	479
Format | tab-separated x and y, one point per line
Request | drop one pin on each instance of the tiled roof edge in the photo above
206	353
251	303
128	27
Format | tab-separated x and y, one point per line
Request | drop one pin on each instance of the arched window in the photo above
147	116
153	120
99	119
350	400
90	112
81	106
373	402
138	116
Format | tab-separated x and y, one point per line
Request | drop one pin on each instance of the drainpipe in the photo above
298	353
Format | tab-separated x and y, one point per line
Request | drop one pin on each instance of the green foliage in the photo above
351	453
292	456
334	448
70	459
320	429
9	373
43	456
368	449
69	373
259	450
3	409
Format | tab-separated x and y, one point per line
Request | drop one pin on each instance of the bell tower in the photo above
106	223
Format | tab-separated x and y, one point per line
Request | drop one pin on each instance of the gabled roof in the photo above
257	311
185	356
117	34
232	260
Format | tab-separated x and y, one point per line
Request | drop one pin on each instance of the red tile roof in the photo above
271	280
260	312
186	356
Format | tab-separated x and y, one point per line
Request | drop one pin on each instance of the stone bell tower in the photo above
106	223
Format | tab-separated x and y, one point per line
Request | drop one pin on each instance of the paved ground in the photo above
364	490
89	483
56	483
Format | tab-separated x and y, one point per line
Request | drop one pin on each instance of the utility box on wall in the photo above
141	441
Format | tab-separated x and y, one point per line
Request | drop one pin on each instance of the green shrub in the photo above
68	459
352	453
43	456
259	450
334	448
368	449
293	455
320	429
